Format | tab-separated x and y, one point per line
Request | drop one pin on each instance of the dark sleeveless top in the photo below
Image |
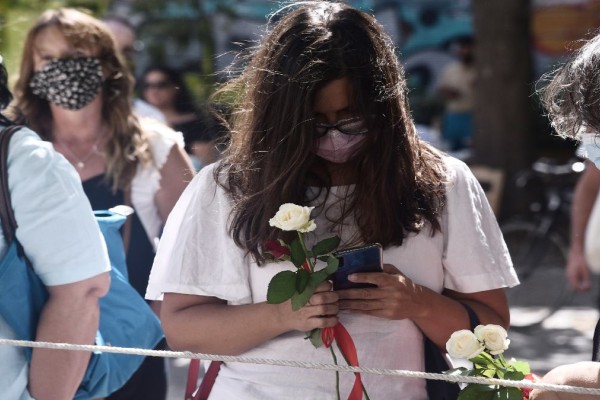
140	253
596	343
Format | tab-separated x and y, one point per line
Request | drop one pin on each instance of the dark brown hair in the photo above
271	159
5	94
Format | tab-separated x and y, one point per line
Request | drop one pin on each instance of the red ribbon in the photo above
527	391
276	249
348	349
327	336
306	266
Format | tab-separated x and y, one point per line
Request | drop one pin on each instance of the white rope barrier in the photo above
525	384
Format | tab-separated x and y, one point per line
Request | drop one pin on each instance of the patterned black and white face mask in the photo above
70	83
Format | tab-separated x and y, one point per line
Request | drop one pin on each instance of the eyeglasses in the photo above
157	85
348	126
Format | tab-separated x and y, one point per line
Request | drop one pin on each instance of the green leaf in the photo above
508	393
326	246
281	287
481	360
318	277
302	277
514	393
514	375
487	388
297	255
478	372
300	299
491	372
476	391
332	265
315	337
501	394
521	366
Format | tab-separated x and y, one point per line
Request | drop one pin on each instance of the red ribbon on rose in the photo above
527	391
348	349
277	250
299	285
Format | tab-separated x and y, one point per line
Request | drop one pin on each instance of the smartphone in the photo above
367	258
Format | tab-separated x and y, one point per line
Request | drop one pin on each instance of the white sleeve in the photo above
146	181
475	255
56	226
196	255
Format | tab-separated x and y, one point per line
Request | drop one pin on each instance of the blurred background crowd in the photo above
471	66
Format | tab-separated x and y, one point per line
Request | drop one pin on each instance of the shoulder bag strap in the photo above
128	222
473	318
195	392
9	224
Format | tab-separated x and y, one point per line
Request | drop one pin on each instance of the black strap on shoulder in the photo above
435	362
473	318
9	224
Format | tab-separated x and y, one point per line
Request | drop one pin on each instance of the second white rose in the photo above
463	344
494	337
292	217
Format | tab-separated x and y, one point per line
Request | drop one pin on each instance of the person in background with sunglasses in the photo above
322	120
165	89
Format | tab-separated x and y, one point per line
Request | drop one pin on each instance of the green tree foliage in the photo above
182	23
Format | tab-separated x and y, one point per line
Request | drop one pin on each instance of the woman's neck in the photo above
83	125
339	174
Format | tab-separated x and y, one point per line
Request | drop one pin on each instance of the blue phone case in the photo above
359	259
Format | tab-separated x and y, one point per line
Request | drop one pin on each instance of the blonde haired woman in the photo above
74	90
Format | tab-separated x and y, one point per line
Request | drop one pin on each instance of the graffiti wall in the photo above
423	30
558	27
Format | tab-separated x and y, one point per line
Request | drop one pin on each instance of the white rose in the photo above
463	344
292	217
493	337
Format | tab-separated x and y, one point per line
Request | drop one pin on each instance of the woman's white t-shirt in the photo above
197	256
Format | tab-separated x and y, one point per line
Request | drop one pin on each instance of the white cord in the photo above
525	384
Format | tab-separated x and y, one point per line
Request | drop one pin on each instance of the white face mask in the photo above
339	142
591	144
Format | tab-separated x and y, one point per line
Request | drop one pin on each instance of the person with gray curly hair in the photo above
571	97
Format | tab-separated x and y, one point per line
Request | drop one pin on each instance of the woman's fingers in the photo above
323	298
390	269
324	287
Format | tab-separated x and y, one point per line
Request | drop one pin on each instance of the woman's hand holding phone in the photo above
394	296
367	258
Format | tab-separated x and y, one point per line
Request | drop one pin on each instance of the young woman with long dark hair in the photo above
322	120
